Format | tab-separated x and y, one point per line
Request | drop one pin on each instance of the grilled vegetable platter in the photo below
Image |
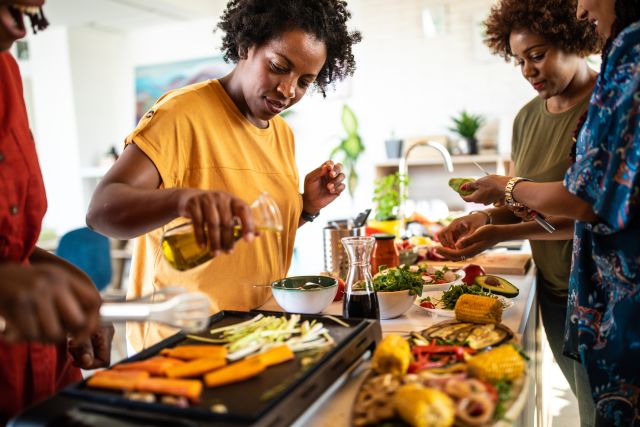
464	372
248	368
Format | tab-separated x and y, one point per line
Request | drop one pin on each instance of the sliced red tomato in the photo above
427	304
340	292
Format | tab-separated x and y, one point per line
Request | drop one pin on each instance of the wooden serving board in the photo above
493	263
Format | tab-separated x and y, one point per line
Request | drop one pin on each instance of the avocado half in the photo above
456	183
497	285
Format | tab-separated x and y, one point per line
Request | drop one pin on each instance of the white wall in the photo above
102	90
55	127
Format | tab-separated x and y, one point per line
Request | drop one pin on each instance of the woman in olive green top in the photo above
550	49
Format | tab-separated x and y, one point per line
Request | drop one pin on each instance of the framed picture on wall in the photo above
153	81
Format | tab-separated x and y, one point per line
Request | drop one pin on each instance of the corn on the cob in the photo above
503	362
392	356
420	406
478	309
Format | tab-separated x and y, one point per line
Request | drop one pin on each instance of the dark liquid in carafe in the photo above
361	305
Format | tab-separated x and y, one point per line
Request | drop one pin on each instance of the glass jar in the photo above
360	299
384	252
182	251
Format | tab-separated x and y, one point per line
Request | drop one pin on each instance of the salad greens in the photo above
450	297
503	387
398	279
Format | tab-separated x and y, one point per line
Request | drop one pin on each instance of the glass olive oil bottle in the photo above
181	250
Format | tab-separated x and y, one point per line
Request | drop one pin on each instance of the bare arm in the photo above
128	203
489	235
531	230
552	198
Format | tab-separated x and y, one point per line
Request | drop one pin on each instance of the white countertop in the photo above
333	408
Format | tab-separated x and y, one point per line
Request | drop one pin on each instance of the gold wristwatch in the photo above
508	192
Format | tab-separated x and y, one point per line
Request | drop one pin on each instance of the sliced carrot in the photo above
191	389
275	355
117	380
190	352
236	372
195	368
155	366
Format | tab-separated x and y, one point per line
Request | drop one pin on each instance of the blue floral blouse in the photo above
603	321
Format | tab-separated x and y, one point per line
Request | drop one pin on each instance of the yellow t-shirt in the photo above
197	138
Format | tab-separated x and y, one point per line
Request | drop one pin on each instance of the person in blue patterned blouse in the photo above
601	192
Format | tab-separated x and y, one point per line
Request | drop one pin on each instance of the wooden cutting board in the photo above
493	262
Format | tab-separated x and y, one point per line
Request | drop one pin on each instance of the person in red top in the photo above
49	324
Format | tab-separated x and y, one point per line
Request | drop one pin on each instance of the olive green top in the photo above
540	151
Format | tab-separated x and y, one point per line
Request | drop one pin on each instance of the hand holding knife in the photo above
536	216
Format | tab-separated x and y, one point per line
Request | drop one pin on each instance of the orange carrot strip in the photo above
155	366
195	368
190	352
236	372
275	355
118	380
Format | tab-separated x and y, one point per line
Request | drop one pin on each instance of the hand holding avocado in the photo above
486	190
457	183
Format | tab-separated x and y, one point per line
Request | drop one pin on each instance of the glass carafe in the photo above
181	250
360	299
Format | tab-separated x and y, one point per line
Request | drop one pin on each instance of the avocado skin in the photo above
506	288
456	183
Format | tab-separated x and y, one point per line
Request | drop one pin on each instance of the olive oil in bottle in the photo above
181	250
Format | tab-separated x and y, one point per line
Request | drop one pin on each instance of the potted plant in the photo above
387	198
466	125
350	148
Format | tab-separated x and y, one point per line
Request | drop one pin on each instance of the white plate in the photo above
443	312
444	286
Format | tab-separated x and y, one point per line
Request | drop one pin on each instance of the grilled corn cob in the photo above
478	309
392	356
420	406
503	362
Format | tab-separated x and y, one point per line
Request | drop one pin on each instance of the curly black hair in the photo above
627	12
555	20
252	22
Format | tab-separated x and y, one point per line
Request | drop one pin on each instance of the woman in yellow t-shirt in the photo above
206	150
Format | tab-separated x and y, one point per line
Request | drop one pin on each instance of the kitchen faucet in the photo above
404	173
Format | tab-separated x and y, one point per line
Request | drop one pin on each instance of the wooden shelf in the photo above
457	160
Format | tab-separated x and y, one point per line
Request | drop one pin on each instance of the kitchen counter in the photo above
334	407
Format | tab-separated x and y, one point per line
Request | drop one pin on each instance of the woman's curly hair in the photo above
252	22
627	12
555	20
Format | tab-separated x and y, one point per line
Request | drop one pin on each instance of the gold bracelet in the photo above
508	192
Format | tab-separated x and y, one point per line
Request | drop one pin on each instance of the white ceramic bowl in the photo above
307	301
394	304
444	286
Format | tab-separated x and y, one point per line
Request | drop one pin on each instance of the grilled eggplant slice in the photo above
477	336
